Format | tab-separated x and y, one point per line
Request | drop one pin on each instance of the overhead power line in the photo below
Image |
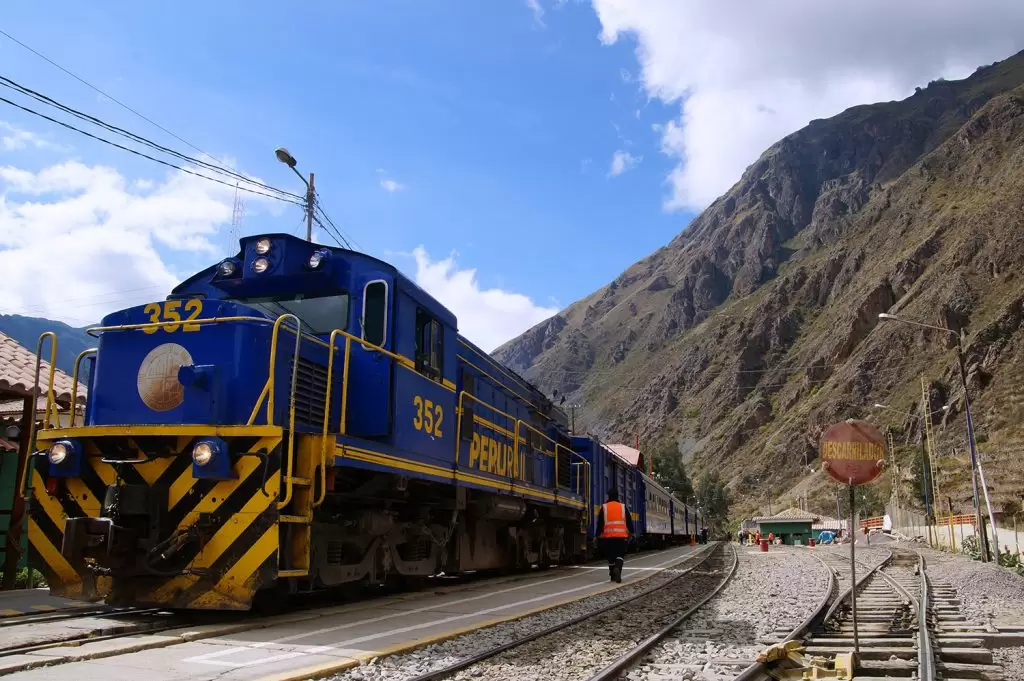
146	156
49	101
108	96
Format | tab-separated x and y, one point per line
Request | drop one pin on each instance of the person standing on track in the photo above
614	527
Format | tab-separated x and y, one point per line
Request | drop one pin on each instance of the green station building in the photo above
792	526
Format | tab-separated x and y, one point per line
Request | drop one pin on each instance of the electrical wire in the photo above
348	242
146	156
108	96
49	101
333	231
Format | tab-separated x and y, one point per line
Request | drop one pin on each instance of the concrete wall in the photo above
913	524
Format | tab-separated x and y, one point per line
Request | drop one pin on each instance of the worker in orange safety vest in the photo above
614	527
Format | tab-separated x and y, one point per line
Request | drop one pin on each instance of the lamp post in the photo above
286	158
976	470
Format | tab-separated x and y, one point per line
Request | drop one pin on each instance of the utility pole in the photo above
310	206
572	412
975	464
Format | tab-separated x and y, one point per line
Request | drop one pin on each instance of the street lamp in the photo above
285	157
976	470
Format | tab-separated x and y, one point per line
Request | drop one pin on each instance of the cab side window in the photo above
375	312
429	345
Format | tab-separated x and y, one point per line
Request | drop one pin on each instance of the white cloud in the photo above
488	317
391	186
746	74
538	11
13	138
623	161
79	241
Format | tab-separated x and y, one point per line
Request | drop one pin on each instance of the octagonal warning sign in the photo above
853	452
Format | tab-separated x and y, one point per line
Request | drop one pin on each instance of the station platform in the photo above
315	644
20	602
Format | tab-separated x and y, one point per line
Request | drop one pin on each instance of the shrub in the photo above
21	578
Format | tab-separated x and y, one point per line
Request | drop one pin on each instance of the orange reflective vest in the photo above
614	521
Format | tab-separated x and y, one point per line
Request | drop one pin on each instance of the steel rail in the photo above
627	659
758	670
497	650
925	652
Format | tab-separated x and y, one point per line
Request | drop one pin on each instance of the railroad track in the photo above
591	645
908	627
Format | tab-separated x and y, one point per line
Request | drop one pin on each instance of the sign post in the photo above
853	453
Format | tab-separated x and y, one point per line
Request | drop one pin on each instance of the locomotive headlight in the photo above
65	457
226	268
317	258
260	265
202	453
58	452
263	246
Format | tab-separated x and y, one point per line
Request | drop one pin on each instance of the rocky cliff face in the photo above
757	326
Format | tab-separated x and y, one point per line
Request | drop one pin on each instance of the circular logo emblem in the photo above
158	377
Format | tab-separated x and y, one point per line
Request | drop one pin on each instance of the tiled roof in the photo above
826	523
626	453
18	371
13	408
790	515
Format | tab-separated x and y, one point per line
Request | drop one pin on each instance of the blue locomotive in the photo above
299	417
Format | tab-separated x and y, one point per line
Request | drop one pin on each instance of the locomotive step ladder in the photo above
295	522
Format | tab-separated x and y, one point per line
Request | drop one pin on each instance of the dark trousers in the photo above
616	550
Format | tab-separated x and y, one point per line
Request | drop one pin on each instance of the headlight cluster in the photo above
226	268
260	265
263	246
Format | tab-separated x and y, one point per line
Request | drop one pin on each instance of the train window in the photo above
429	345
319	314
375	312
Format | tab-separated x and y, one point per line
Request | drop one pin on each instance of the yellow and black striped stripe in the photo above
235	558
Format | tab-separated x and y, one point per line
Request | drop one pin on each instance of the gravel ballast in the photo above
771	592
989	595
438	655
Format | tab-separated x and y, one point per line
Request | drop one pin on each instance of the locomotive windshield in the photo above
318	314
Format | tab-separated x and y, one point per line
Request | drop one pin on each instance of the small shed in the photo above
792	525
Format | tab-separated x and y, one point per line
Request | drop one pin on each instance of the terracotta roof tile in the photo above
18	369
791	514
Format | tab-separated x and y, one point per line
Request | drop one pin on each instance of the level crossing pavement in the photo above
305	644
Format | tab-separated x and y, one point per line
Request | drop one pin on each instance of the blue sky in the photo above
500	129
495	125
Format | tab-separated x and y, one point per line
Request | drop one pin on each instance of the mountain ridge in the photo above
758	311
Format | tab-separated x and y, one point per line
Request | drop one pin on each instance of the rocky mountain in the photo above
757	327
70	340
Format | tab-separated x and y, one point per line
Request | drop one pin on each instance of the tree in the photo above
713	499
670	472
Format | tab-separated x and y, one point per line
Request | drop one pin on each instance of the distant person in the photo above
614	526
704	536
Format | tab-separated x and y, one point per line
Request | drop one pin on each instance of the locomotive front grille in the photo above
310	392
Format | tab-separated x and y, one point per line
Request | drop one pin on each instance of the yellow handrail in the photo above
74	384
35	398
291	407
201	322
542	451
327	407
